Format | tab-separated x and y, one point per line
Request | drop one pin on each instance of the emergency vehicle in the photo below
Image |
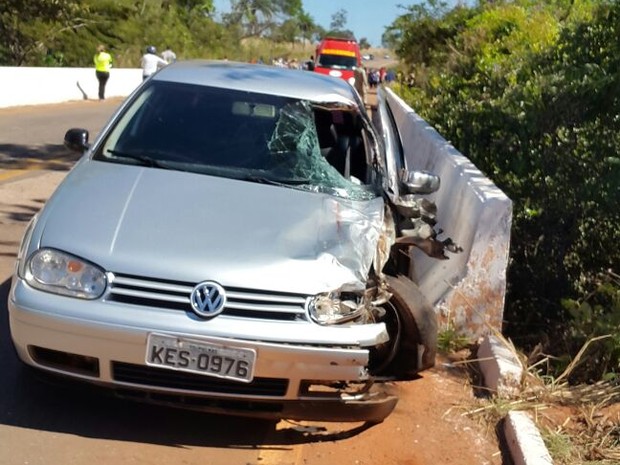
338	57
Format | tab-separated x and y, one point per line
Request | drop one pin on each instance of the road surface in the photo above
46	424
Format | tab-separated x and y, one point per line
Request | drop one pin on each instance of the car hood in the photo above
192	227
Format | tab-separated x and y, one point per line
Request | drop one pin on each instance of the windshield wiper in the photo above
143	159
275	181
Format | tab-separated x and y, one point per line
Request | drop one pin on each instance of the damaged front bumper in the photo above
312	372
373	406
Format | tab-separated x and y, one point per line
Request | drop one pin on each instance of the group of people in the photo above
379	76
149	63
292	63
370	79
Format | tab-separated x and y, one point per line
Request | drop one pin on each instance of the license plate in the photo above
206	358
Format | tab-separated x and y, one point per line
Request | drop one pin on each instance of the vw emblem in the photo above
208	299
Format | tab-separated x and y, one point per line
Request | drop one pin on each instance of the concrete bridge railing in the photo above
36	86
468	289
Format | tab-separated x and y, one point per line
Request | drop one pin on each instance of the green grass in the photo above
449	340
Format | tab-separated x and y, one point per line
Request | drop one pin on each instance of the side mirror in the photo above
76	139
419	182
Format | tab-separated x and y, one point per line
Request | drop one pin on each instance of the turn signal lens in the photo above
74	266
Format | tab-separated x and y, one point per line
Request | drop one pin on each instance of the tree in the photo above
288	31
423	34
204	6
337	26
257	17
28	26
307	25
364	44
339	20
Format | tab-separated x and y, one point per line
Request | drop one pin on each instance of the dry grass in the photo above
580	424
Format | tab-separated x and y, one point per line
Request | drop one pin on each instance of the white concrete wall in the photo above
34	86
469	288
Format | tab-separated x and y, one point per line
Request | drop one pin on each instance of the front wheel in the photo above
411	322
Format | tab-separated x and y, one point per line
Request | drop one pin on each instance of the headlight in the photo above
331	309
60	273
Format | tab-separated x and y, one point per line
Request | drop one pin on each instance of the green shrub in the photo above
530	92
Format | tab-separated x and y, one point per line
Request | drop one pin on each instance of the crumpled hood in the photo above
191	227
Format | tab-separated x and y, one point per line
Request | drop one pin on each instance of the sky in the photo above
366	18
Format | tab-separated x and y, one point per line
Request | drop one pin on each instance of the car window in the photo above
242	135
337	61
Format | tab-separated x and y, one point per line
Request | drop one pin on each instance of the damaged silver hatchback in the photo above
236	240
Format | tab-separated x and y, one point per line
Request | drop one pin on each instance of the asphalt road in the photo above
48	424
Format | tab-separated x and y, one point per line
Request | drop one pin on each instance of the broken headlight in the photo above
338	307
335	308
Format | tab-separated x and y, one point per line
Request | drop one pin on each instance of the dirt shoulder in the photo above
430	425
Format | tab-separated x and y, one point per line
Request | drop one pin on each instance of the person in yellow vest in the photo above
103	63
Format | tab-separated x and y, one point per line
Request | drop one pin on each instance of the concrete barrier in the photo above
468	289
35	86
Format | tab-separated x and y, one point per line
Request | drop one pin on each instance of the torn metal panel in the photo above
348	233
350	241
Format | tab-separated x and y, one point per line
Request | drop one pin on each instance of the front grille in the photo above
174	295
157	377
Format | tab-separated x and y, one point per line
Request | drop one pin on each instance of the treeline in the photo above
66	32
529	90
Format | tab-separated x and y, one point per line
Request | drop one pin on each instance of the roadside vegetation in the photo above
66	32
530	92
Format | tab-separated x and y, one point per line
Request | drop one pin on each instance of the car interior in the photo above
341	143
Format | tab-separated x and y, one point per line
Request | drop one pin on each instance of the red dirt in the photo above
428	426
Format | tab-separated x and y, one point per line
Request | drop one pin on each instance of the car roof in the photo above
263	79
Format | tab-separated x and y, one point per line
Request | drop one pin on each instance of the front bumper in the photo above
318	373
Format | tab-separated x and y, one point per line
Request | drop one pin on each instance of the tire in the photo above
412	325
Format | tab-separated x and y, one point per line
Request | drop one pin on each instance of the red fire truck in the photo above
338	57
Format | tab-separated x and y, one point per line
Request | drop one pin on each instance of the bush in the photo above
530	93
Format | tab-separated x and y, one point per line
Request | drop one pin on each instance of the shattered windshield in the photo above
295	145
242	135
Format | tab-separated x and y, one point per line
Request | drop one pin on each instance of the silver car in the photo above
236	240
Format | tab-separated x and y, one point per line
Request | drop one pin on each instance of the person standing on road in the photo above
103	63
169	55
151	62
361	82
